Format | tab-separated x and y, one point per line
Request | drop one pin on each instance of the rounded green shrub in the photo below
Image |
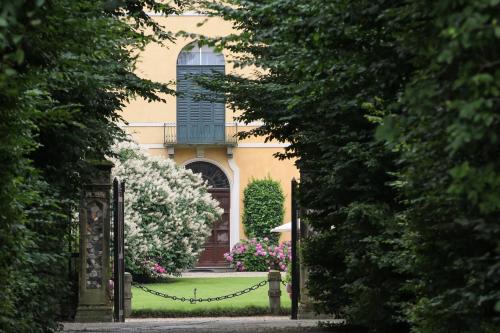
263	208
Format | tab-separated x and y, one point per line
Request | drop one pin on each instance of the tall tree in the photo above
410	224
15	142
447	129
66	71
328	71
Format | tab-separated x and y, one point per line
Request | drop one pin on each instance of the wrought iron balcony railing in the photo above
200	134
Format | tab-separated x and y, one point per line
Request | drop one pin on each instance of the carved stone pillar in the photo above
94	304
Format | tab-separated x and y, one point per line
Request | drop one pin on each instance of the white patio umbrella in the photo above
285	227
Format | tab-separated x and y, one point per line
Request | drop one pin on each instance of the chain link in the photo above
194	300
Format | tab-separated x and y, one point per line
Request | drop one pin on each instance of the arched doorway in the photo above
218	242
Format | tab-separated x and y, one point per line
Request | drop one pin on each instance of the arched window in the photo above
200	56
215	177
198	121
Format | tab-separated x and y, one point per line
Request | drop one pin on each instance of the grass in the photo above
253	303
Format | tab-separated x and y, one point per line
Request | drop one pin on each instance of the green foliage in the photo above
331	70
263	201
406	228
66	70
357	276
16	141
39	279
447	130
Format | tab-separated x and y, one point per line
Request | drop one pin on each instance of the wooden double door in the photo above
218	242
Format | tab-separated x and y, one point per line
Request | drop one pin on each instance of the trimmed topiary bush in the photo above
263	201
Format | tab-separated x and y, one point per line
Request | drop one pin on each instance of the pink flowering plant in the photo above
259	256
151	269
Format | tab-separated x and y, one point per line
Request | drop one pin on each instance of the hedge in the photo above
263	201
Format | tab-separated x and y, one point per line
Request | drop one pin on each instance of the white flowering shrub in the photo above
168	212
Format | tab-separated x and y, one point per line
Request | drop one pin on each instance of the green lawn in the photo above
253	303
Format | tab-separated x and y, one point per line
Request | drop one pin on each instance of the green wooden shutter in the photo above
198	121
215	113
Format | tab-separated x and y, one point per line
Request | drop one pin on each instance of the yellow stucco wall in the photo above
260	163
253	157
158	63
253	163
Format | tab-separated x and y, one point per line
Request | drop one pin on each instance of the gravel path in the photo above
199	325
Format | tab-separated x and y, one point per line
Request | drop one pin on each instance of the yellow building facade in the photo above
227	163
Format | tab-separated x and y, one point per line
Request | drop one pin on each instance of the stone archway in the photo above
218	242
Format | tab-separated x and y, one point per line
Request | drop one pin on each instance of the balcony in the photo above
196	134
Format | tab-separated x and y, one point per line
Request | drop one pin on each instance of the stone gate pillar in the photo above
94	304
306	310
306	303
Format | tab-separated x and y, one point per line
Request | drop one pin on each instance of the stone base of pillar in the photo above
306	311
127	294
94	314
274	278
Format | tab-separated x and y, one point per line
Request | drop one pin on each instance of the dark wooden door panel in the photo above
218	242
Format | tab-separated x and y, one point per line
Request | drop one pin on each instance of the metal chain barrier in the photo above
194	300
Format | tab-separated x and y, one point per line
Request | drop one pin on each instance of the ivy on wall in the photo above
263	201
